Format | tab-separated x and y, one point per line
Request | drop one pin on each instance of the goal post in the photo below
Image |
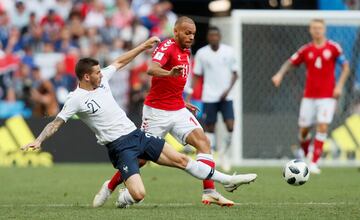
266	118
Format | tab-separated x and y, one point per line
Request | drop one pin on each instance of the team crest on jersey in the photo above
311	55
327	54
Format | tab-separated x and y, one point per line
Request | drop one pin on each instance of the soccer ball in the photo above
296	172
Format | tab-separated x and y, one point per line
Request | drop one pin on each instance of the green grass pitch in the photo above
66	192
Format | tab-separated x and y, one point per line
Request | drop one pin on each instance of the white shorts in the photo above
178	123
313	111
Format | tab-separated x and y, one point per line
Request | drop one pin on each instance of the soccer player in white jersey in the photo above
165	110
94	104
321	90
217	64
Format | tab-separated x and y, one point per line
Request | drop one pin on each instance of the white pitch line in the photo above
180	204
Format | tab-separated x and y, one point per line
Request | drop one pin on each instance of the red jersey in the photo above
320	64
166	92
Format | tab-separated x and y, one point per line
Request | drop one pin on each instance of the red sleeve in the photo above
298	57
337	49
162	53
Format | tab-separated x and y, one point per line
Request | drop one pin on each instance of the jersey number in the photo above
318	63
92	105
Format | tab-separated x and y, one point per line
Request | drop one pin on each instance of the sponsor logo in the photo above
125	169
14	134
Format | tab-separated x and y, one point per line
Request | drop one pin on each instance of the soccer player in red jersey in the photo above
166	112
321	90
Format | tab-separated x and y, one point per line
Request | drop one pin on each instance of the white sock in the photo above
320	136
228	139
212	139
202	171
202	156
126	198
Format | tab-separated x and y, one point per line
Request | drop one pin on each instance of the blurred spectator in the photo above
142	8
123	15
159	10
63	8
47	59
63	83
20	16
43	96
4	28
28	57
34	38
52	24
75	25
95	17
109	32
65	43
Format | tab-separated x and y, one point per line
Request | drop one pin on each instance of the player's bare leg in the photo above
109	186
198	139
133	193
320	137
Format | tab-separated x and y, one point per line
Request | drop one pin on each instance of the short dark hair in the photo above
184	19
213	28
85	65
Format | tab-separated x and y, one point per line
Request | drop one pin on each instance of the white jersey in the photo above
217	68
98	110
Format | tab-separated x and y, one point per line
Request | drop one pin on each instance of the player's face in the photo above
317	30
95	76
213	38
185	34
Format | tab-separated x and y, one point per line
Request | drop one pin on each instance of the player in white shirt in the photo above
93	103
217	64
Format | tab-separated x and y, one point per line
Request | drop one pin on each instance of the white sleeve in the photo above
108	72
198	66
69	109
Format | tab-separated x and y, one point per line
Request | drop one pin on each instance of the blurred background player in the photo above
165	110
217	64
321	90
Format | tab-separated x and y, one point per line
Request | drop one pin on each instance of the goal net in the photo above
266	118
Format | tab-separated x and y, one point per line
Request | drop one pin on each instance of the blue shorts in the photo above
125	151
212	108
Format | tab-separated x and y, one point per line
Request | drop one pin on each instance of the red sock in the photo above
208	184
305	146
117	180
318	147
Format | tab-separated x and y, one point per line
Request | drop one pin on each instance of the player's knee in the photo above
203	145
210	128
322	128
138	194
182	161
229	125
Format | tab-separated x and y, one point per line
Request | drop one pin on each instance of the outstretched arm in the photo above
285	68
127	57
47	132
156	70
